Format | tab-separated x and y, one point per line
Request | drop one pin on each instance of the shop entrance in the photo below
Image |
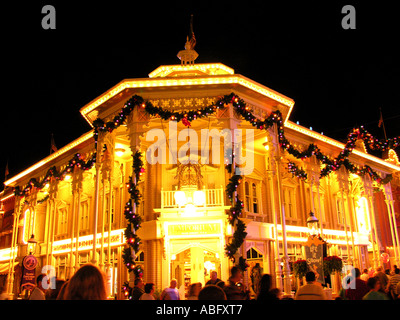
194	264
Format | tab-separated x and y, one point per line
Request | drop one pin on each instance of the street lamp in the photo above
312	224
32	243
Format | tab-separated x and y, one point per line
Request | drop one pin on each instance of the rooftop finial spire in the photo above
188	55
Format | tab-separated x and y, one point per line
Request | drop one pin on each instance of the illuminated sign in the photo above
86	242
193	229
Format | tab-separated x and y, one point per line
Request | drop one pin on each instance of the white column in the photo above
396	235
278	269
286	269
392	225
96	209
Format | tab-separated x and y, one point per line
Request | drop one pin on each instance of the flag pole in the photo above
383	123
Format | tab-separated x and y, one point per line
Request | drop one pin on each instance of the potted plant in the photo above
300	268
333	266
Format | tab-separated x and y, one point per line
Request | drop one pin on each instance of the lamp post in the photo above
312	224
32	244
29	264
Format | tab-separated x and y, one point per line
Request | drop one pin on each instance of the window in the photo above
340	210
247	192
252	194
107	207
253	254
62	221
289	202
84	216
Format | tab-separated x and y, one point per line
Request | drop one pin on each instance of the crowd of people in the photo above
373	285
88	283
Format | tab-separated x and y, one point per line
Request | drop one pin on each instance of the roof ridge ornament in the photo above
188	55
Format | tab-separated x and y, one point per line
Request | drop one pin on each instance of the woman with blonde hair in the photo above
86	284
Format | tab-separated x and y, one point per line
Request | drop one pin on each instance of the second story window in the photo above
62	221
251	189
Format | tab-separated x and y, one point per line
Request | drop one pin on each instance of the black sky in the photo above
338	78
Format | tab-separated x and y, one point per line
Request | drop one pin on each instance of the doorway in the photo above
194	264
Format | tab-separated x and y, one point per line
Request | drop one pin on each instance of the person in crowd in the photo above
277	293
310	291
170	293
358	288
220	284
391	289
235	290
52	294
194	290
212	292
265	288
214	278
382	278
365	276
61	293
374	284
148	292
38	293
86	284
137	290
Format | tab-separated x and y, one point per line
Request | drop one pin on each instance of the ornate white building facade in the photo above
78	216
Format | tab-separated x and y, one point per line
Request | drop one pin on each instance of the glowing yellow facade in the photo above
188	245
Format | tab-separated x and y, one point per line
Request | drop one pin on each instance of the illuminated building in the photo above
79	217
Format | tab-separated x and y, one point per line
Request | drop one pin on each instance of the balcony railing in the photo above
214	197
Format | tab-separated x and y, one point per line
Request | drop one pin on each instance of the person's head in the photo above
365	271
86	284
212	292
379	269
39	280
374	284
173	283
194	289
62	293
276	292
265	282
214	275
138	283
357	272
149	288
310	276
52	294
236	274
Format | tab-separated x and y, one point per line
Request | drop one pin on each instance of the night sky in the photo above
338	78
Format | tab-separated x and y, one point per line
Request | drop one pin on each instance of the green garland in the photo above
76	161
233	218
296	171
132	216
